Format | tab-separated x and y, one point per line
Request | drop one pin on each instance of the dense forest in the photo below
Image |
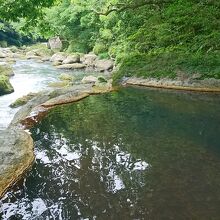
149	38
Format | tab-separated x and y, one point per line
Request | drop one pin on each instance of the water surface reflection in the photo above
132	154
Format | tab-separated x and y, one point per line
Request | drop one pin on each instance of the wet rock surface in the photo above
5	85
33	111
16	156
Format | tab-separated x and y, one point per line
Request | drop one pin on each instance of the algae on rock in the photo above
5	85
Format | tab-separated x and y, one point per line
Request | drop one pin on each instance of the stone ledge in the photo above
198	86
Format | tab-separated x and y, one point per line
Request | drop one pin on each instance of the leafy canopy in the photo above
12	10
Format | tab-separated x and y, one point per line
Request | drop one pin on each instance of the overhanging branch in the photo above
122	7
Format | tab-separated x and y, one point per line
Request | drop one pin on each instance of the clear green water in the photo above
132	154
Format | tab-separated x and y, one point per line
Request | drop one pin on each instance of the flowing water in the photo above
131	154
30	76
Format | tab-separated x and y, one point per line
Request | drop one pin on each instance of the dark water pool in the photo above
132	154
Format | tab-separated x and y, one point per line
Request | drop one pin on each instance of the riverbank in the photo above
206	85
106	69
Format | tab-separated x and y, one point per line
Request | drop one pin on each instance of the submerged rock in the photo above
16	156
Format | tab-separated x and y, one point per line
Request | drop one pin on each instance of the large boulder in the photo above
72	66
104	65
16	156
55	44
72	59
89	59
58	57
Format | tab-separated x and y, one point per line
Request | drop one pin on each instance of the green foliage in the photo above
3	43
146	38
31	9
103	56
10	36
169	64
100	48
76	46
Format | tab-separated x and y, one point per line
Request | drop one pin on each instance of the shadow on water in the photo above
132	154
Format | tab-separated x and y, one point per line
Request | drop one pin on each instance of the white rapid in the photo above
30	76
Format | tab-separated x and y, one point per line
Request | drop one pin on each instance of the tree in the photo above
12	10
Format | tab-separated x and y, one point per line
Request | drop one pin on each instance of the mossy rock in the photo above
66	77
23	100
5	85
6	70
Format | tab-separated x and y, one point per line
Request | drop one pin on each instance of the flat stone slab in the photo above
16	156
